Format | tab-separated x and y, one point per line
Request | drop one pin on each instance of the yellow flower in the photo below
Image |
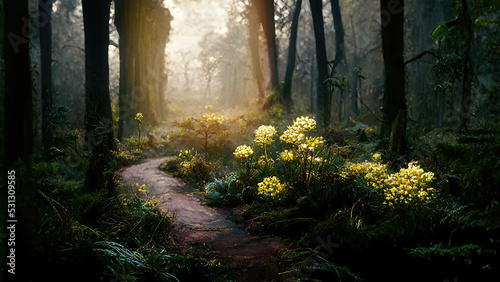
377	157
138	117
292	135
295	133
286	156
264	135
142	189
270	186
305	123
243	152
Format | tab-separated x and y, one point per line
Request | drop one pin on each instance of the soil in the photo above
198	225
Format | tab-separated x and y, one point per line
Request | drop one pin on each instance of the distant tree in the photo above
45	26
292	54
394	102
323	99
468	46
98	115
265	10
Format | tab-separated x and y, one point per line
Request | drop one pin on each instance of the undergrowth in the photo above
350	209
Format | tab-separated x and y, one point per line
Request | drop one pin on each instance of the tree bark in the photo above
469	68
292	54
394	101
265	9
98	115
18	85
45	26
17	135
323	99
122	13
144	28
339	32
254	50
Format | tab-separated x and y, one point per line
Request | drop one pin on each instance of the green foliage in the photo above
191	167
312	265
465	253
224	191
470	166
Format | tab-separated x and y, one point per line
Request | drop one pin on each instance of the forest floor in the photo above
208	230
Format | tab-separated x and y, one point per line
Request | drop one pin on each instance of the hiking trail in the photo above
196	224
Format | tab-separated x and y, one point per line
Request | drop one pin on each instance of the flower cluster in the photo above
187	158
142	189
377	157
212	118
271	186
311	143
264	135
292	135
243	152
138	117
295	133
409	185
286	156
265	162
305	123
374	173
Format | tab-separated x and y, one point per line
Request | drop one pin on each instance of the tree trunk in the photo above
144	28
98	115
254	51
339	32
17	136
356	80
469	68
394	101
45	26
323	99
18	85
122	26
265	10
292	54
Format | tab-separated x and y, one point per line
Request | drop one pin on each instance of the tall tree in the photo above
292	54
394	101
253	40
144	28
468	72
339	66
98	115
45	26
18	86
323	99
17	133
339	32
265	9
123	12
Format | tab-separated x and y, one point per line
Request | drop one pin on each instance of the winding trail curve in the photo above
197	224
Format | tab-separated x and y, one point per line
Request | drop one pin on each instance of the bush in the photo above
224	191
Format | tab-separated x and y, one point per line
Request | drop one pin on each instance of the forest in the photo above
250	140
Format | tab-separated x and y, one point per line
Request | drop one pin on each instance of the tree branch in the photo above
421	55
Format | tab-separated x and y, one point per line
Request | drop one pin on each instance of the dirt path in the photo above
197	224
